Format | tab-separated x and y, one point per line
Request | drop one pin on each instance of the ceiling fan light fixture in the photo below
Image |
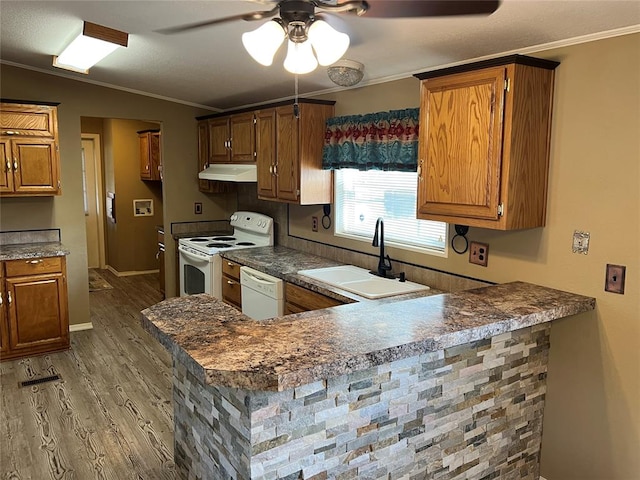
329	44
346	73
300	58
92	45
263	43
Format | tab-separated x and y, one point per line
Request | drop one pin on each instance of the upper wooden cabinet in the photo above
287	150
231	139
289	154
29	157
484	143
150	155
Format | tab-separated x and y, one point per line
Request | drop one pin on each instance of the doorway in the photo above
92	192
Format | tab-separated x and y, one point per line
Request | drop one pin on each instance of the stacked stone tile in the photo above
472	411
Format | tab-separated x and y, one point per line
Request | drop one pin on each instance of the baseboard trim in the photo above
131	273
77	327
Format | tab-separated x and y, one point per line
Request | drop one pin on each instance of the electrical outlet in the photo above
314	224
479	253
581	242
197	208
614	282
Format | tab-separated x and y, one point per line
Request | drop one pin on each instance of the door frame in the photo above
98	182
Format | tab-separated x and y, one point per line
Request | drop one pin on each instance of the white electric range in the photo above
200	262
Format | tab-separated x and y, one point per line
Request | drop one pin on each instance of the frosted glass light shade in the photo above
92	45
83	53
300	58
263	43
329	44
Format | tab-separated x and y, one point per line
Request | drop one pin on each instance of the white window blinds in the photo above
362	197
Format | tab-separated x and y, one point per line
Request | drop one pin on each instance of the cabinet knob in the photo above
15	164
0	298
34	262
10	132
230	264
8	165
230	282
9	298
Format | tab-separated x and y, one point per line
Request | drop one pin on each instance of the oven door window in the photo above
194	280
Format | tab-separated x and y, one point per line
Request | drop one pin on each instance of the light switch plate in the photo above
581	242
614	281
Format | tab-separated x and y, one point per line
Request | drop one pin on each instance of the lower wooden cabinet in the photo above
298	299
231	290
34	316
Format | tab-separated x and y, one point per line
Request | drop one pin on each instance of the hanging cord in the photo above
296	107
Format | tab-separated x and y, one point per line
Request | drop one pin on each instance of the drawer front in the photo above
308	300
231	291
28	120
231	269
33	266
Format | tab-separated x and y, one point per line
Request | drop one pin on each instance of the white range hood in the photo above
229	173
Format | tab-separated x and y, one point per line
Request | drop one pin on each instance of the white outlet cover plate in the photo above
581	242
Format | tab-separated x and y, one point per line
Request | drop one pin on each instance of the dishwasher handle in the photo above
262	280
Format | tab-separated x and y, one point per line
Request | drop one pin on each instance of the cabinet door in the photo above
37	310
4	332
219	151
155	156
203	153
288	162
145	155
461	146
242	138
36	167
6	166
266	152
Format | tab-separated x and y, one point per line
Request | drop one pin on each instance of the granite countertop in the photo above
284	263
224	347
32	250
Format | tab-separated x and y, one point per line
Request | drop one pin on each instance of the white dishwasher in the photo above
262	294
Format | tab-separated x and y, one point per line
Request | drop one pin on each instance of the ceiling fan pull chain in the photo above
296	108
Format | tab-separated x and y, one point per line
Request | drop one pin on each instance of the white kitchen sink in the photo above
359	281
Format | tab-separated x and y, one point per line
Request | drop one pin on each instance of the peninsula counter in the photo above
446	386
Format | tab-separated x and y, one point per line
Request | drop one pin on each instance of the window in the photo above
363	196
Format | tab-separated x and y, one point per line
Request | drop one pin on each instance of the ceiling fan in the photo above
298	22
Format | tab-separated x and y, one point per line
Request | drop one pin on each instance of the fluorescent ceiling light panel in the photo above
92	45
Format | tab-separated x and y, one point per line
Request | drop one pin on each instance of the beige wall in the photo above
79	99
592	417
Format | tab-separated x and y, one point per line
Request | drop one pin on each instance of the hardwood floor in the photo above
110	415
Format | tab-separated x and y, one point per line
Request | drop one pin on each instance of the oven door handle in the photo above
192	256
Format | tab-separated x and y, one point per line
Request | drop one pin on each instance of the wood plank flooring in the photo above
110	415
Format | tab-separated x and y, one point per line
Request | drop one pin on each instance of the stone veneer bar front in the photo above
450	386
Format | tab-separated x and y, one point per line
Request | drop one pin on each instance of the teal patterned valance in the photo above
375	141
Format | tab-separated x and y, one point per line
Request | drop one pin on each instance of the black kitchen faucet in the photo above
384	263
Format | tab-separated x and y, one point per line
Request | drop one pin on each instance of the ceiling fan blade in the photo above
429	8
207	23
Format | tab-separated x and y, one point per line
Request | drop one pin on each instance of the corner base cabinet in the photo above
34	313
29	156
484	143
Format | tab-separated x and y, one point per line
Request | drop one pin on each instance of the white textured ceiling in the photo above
209	67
